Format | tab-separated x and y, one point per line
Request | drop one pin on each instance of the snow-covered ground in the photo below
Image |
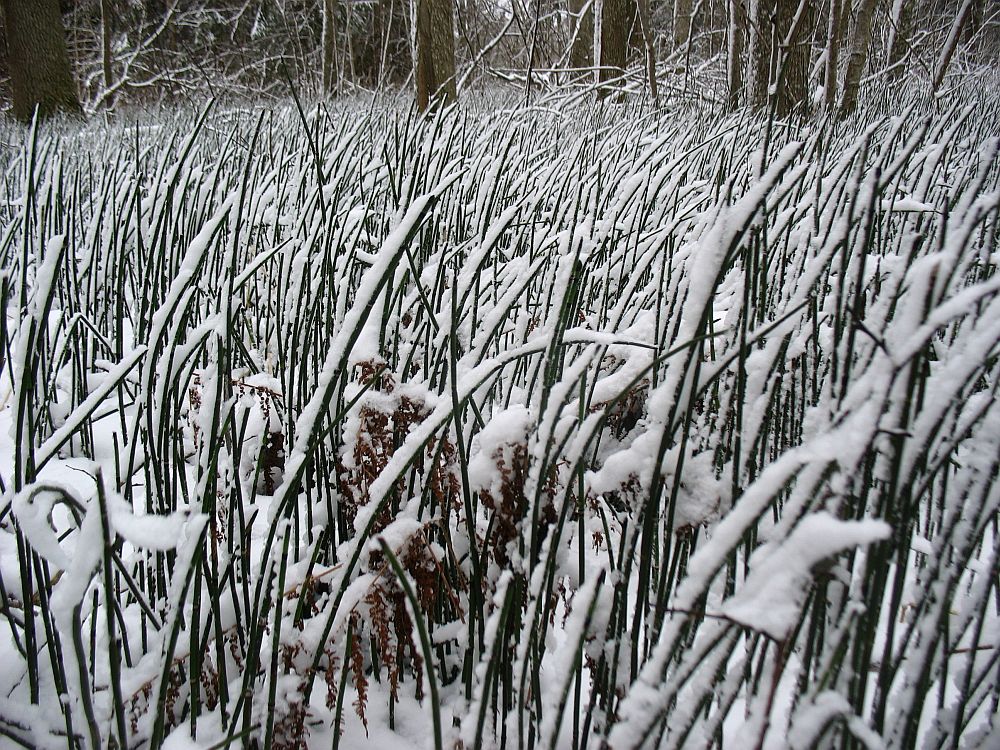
506	428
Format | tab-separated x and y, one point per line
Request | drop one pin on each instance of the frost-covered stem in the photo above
110	603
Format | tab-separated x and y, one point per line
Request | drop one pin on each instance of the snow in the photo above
493	447
33	509
782	333
905	204
148	531
771	597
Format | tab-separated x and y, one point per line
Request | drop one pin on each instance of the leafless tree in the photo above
646	23
682	22
329	45
736	35
951	44
434	52
857	54
582	33
106	42
781	53
834	32
795	21
762	20
617	18
37	59
901	20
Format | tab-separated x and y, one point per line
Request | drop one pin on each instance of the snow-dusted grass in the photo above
518	428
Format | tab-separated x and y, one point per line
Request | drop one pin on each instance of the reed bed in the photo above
576	426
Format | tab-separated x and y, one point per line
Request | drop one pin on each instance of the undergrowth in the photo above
580	426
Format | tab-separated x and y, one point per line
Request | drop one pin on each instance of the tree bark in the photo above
899	37
617	19
37	59
762	15
682	23
795	19
780	55
951	44
434	52
861	39
581	53
734	59
977	15
834	32
329	46
106	42
646	22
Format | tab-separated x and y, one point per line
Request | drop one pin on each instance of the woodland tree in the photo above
780	54
329	45
759	65
951	43
582	28
617	19
795	21
106	43
434	52
646	23
857	54
834	32
736	35
682	22
37	60
900	29
144	50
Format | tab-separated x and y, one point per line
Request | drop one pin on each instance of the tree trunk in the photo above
434	52
646	22
38	63
581	53
781	53
901	29
682	23
795	19
761	36
977	16
106	42
951	44
329	46
834	32
734	60
861	39
617	19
